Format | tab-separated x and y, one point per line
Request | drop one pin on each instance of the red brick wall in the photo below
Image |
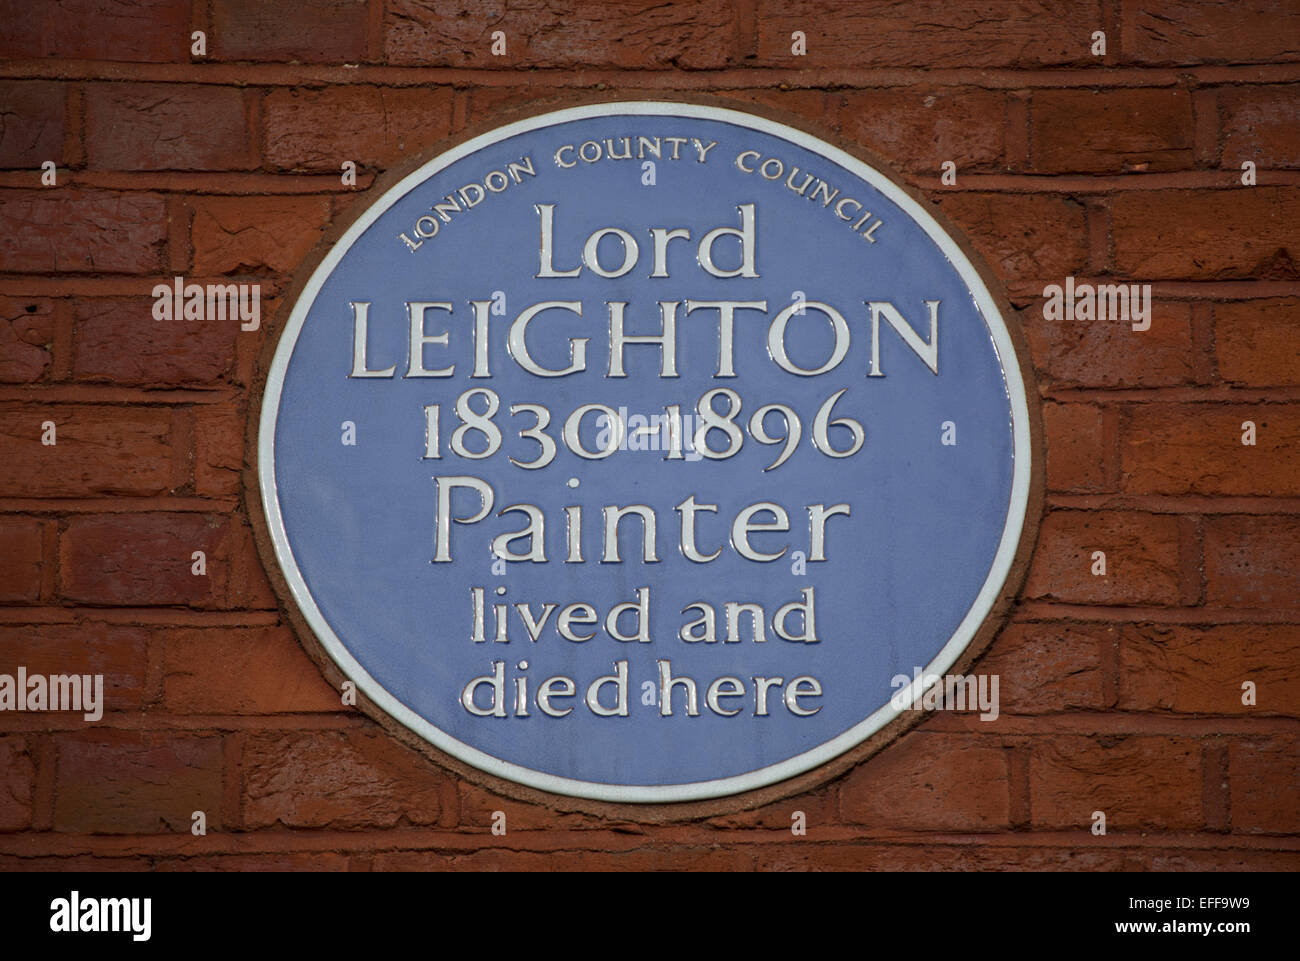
1120	693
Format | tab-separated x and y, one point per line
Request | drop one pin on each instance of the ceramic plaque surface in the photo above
634	451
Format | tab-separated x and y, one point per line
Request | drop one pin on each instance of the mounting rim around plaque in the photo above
975	616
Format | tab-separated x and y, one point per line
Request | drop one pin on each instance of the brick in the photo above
820	809
1076	447
135	782
1091	353
269	861
1238	860
218	450
151	31
1048	667
1197	449
247	585
920	128
145	559
26	339
117	340
1142	562
87	863
932	782
311	31
929	33
478	808
234	235
807	107
1190	31
31	123
148	126
71	230
140	559
1111	131
1200	670
1264	780
672	857
1261	124
911	856
550	33
336	779
487	104
1250	561
500	859
1206	234
371	126
1258	342
713	857
249	343
242	671
17	784
20	560
99	450
1138	782
1024	237
118	653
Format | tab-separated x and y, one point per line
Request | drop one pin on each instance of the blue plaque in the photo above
635	451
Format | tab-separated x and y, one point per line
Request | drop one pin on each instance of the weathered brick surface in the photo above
1024	237
1049	667
1250	562
1257	343
218	450
1187	448
1142	565
546	33
292	861
20	559
1202	669
312	31
96	450
1206	234
926	127
1186	31
252	671
931	33
17	773
118	652
132	782
1264	776
1076	447
1138	782
244	235
165	127
944	782
26	339
31	123
371	126
118	341
150	30
1110	353
1120	693
114	232
1111	131
148	559
1260	125
337	780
